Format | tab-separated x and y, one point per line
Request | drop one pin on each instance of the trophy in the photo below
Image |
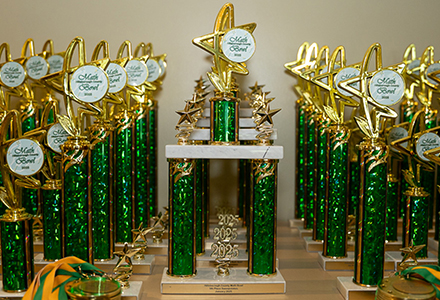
377	89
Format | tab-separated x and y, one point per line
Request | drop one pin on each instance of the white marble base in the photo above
7	295
208	282
160	249
244	112
294	223
347	263
352	291
224	152
397	257
244	134
433	244
311	245
243	123
389	246
140	267
304	232
133	292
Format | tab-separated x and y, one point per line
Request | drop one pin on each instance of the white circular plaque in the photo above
36	67
55	63
387	87
25	157
427	142
162	67
89	83
137	72
56	136
12	74
414	64
344	74
238	45
395	134
432	68
153	70
117	77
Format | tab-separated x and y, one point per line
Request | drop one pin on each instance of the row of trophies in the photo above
367	167
87	176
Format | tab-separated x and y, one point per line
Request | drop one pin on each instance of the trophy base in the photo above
295	223
433	244
304	232
317	246
208	282
132	293
311	245
397	257
347	263
159	249
141	267
352	291
241	261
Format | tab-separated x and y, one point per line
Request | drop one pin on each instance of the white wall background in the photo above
282	25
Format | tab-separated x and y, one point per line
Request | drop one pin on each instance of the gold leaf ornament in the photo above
331	113
68	125
363	125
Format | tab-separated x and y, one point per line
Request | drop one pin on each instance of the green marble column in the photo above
354	186
142	169
224	119
198	189
301	129
322	183
370	219
415	225
152	157
52	195
263	228
336	204
17	251
182	210
76	207
392	206
310	172
100	172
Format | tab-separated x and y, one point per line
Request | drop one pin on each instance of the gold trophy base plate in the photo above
241	261
140	267
347	263
208	282
351	291
132	293
396	256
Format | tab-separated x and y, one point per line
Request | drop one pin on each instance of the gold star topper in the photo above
230	45
427	84
328	81
124	258
85	84
266	115
409	257
379	88
186	115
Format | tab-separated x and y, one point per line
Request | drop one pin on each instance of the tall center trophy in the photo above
378	89
231	47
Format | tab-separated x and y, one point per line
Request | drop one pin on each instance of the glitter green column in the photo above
322	183
415	226
76	207
181	243
428	178
224	119
198	189
17	251
392	206
263	218
142	169
206	202
124	198
370	219
29	196
152	157
310	174
336	204
354	186
52	194
100	172
300	162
